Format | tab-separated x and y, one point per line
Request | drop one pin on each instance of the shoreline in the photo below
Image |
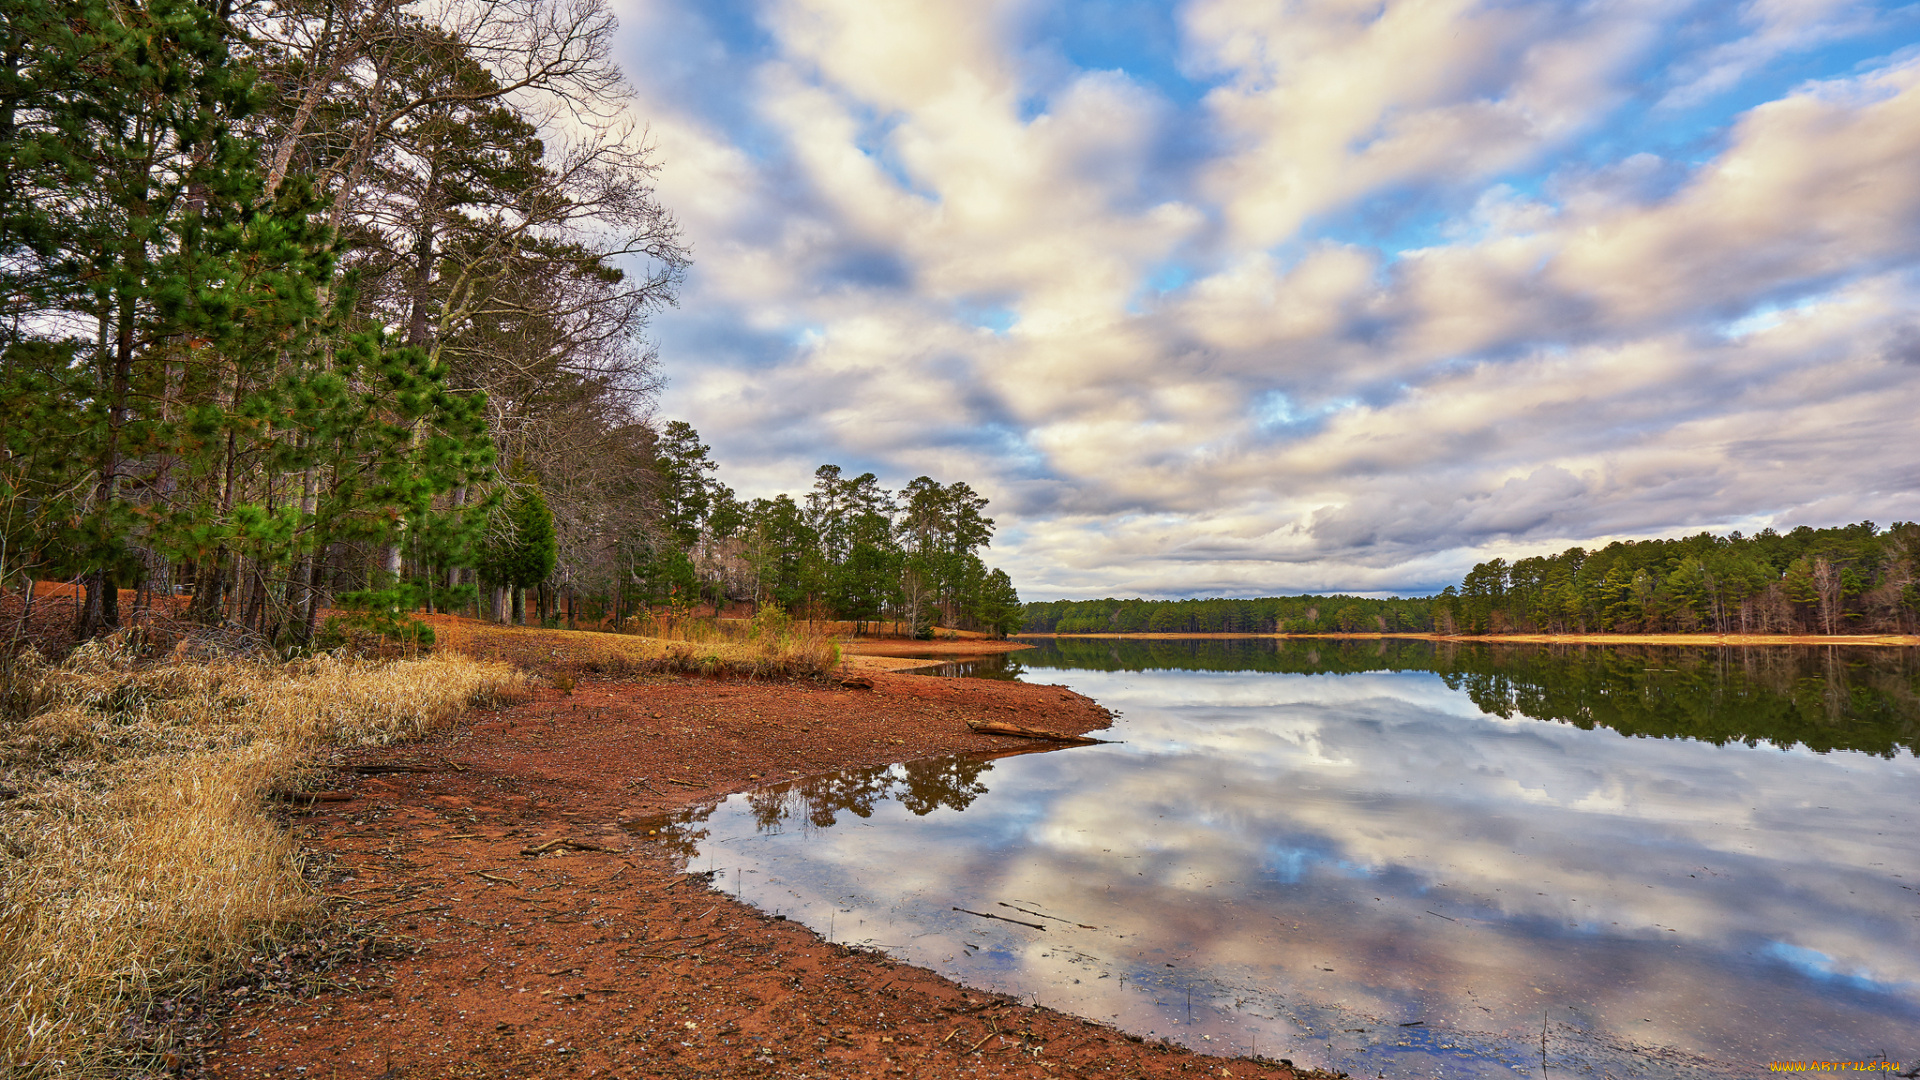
601	953
1888	640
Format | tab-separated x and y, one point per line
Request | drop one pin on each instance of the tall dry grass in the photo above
770	643
769	646
138	854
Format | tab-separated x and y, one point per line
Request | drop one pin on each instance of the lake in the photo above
1404	858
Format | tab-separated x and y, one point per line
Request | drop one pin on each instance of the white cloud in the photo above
912	260
1329	102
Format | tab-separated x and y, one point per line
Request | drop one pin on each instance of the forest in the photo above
1849	579
1305	614
333	306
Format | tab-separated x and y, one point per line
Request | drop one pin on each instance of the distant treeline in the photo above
1850	579
1272	615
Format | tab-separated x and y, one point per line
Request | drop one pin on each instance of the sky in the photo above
1236	298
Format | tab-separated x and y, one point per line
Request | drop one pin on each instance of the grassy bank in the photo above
140	856
767	647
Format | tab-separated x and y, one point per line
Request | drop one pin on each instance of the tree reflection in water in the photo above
816	802
1823	697
921	786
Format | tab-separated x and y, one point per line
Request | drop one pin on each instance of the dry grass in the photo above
138	854
767	647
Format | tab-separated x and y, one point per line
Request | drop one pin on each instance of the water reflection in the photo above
1399	871
816	802
1821	697
1005	666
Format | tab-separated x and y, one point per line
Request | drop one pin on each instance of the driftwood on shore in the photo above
1001	727
563	842
310	797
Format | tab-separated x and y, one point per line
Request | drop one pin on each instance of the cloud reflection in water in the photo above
1308	862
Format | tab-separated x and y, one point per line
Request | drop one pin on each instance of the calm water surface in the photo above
1405	859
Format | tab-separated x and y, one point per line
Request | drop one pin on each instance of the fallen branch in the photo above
311	797
1044	915
563	842
1002	918
371	770
1001	727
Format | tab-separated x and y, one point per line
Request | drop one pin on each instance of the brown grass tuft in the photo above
137	856
766	647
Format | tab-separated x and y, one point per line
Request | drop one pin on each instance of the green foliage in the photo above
521	549
997	605
1854	578
379	612
215	413
1305	614
687	490
848	549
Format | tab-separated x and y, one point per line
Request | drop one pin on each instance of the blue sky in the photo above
1231	298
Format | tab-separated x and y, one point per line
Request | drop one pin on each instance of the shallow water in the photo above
1404	869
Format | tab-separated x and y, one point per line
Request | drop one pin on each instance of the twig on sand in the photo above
566	842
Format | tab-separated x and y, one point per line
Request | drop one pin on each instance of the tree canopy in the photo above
285	284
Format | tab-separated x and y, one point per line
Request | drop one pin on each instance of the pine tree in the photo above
522	550
147	253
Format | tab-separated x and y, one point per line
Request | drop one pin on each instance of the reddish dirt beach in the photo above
600	955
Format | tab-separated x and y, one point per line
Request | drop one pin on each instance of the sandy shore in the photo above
601	955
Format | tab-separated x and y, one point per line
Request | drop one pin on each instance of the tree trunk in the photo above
26	607
100	614
453	572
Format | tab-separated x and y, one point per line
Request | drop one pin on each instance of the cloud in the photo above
1362	295
1779	28
1332	101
